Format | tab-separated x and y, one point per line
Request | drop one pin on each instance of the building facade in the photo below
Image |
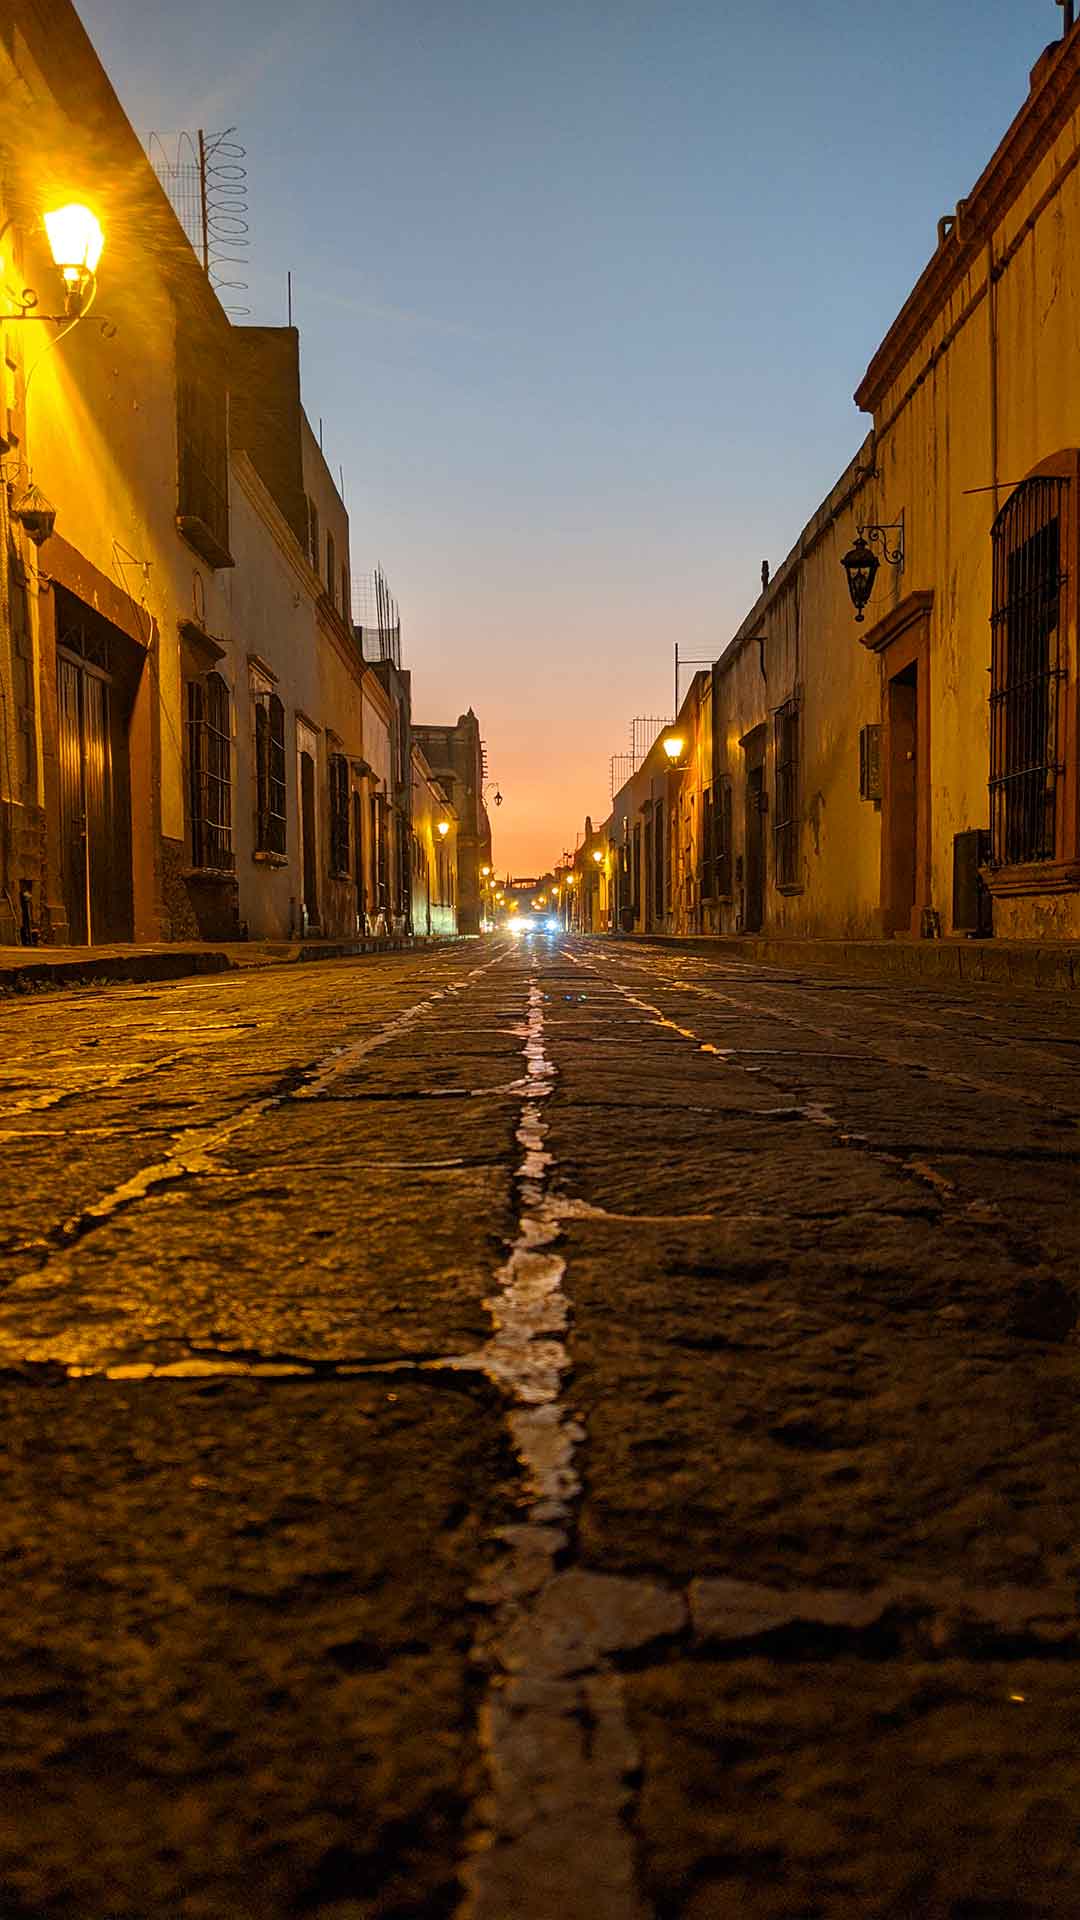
192	743
911	769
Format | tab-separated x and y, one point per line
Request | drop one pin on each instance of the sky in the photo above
584	291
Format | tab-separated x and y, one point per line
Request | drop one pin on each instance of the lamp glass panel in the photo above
75	238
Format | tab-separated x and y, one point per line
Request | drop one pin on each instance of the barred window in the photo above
269	773
1027	667
339	815
313	530
210	772
786	821
331	564
716	841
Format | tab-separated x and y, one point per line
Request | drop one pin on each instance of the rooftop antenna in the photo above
288	282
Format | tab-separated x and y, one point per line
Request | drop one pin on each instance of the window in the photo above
379	835
313	532
331	563
202	454
210	772
658	856
1027	667
339	815
716	841
269	773
786	821
345	613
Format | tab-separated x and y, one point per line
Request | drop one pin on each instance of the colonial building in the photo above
889	745
192	742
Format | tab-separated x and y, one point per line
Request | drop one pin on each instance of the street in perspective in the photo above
535	1428
539	961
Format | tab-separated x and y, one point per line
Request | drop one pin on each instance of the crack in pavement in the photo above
552	1831
193	1153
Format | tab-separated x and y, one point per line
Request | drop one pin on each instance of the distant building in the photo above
456	758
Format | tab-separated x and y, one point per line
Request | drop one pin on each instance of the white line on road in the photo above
553	1835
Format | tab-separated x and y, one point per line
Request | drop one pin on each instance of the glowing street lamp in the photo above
673	746
443	828
76	240
598	856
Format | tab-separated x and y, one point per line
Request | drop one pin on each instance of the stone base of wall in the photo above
197	906
22	872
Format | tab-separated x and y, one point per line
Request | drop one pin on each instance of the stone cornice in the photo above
1053	99
913	607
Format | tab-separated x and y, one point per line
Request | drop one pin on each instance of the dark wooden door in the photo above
900	825
87	827
307	824
755	850
358	860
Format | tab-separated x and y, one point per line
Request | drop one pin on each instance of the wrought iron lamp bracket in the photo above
878	536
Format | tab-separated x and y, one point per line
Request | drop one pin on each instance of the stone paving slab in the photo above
252	1263
234	1659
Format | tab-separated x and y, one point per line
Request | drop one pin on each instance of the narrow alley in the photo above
542	1427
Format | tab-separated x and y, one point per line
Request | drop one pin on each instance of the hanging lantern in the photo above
860	563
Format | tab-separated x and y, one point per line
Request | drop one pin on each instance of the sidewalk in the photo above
1001	963
28	969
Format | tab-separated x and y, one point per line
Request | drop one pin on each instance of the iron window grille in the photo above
786	820
339	816
1026	672
210	773
716	841
269	773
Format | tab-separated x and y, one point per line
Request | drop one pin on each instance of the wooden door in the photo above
88	834
307	832
755	849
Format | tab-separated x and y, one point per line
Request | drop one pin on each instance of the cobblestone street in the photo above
539	1428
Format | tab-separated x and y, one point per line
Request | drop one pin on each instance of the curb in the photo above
115	967
970	962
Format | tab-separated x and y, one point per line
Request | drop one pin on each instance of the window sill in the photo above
264	858
790	886
340	873
209	876
1037	876
204	540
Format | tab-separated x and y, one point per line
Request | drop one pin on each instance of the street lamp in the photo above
443	828
673	746
598	856
861	563
75	241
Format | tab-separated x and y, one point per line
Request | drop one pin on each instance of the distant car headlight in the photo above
551	924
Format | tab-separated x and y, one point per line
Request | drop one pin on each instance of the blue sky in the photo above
584	291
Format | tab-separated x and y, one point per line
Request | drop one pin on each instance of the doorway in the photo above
753	746
307	841
901	823
358	860
94	683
